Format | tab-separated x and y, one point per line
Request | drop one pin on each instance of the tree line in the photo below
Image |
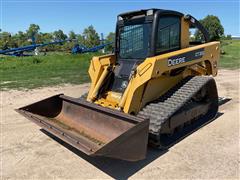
214	27
88	38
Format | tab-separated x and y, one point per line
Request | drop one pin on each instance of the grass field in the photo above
33	72
231	58
58	68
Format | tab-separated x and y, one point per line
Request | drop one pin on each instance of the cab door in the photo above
168	34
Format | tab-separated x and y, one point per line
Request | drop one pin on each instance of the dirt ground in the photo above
210	152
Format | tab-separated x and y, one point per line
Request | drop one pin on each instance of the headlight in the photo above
150	12
120	18
124	84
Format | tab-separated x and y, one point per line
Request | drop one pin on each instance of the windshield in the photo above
134	41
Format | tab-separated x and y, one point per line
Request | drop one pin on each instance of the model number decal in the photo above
199	54
189	56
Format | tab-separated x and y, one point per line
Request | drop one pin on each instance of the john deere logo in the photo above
172	62
186	57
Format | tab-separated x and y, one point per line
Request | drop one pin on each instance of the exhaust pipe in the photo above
92	129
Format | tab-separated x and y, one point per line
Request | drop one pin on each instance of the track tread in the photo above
173	101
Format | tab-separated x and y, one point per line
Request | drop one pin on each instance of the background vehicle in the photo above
21	51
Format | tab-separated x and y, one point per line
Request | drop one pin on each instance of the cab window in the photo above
168	34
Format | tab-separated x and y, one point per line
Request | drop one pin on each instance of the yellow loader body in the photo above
156	82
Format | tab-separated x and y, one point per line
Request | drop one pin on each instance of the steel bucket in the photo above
92	129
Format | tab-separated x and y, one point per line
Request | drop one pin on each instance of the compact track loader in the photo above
156	82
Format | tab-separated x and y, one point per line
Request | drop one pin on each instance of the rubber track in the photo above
176	98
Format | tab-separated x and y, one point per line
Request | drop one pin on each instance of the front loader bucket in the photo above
93	129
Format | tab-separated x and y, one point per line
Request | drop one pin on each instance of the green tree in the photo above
91	37
80	39
59	35
227	37
21	38
47	37
5	38
33	30
21	35
44	37
110	38
72	35
213	26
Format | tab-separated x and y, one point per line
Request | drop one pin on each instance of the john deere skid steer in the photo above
156	82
